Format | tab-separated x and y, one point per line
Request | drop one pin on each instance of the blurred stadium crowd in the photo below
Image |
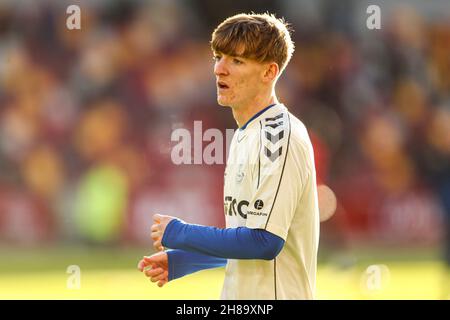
86	117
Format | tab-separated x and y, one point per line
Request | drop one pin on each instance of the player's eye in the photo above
237	61
216	58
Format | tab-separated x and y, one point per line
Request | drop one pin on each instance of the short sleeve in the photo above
280	177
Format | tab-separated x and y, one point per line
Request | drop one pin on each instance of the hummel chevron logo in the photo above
275	118
274	125
274	138
272	155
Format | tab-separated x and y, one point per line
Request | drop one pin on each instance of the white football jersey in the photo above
270	184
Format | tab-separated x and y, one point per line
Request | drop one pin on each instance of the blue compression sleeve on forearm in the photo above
230	243
183	262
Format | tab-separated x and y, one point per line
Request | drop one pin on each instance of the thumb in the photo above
157	218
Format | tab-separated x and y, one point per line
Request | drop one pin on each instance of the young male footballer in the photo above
270	242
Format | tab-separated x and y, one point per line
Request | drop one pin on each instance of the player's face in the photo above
238	80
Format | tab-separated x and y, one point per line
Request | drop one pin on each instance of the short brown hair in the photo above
261	37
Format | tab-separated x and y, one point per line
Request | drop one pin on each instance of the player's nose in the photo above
220	68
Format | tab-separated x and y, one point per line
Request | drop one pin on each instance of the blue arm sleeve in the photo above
230	243
183	262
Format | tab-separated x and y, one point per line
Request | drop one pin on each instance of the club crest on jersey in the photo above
240	175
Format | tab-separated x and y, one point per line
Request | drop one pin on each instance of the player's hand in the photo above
160	223
156	267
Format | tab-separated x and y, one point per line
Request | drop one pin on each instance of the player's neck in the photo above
244	113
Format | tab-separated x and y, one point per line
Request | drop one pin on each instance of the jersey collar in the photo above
260	112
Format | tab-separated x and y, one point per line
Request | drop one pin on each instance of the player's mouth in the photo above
222	85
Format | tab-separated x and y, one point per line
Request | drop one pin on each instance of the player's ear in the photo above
271	71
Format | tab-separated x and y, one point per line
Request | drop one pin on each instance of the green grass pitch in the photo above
112	274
